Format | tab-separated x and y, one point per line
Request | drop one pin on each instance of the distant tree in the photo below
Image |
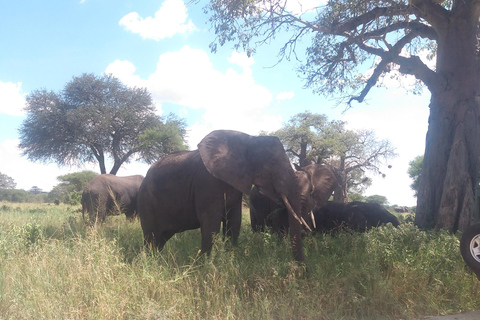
414	172
356	197
71	186
94	118
35	190
311	138
14	195
381	200
6	182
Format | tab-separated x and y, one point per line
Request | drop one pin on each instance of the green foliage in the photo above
71	186
381	200
311	138
56	266
14	195
414	172
356	197
6	182
94	118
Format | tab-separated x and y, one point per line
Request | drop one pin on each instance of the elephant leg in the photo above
209	228
233	222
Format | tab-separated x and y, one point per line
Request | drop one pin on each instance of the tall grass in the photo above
53	265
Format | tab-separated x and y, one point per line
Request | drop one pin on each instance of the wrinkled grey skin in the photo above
358	216
203	188
108	194
315	184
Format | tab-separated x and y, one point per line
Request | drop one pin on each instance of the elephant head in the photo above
322	183
315	184
242	160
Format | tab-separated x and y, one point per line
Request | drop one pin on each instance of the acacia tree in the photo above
7	182
94	118
311	138
347	34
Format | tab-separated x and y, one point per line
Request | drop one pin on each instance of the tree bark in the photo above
452	153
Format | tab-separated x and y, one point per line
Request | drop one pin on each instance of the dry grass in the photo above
53	265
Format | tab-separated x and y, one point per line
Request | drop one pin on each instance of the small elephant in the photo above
108	194
358	216
203	188
315	183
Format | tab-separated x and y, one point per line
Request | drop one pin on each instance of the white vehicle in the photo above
470	241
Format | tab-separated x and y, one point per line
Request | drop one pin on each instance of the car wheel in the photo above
470	248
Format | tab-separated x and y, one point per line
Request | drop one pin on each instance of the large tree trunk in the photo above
451	163
340	193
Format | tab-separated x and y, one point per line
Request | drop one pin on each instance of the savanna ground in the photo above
55	266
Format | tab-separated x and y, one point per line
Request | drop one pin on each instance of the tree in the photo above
414	172
71	186
381	200
35	190
347	36
94	118
310	138
6	182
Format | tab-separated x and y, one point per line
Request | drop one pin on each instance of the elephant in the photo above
316	183
107	194
203	188
401	209
356	215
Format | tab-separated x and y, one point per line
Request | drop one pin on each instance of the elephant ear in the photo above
224	154
323	182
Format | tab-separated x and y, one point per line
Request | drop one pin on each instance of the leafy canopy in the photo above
96	117
311	138
414	172
71	186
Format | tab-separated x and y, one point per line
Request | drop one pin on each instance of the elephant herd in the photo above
203	189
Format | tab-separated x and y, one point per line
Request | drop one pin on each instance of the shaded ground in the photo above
472	315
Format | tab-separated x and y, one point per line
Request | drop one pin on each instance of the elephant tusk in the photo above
312	216
290	209
306	225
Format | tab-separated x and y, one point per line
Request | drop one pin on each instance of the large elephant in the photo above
108	194
315	184
203	188
358	216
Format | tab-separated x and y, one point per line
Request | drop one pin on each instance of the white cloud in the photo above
285	96
229	100
169	20
27	174
12	100
241	59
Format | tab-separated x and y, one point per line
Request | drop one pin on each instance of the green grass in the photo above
55	266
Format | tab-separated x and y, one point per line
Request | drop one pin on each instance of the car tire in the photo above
470	248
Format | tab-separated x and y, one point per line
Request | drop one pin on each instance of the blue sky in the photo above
163	45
